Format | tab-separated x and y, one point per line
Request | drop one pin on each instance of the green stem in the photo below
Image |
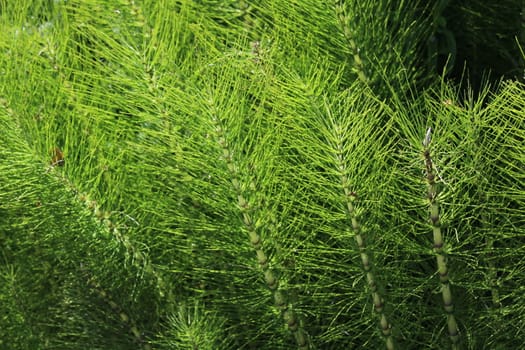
384	324
492	276
138	259
441	259
125	318
344	19
281	301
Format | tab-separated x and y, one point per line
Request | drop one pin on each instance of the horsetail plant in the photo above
125	318
344	19
259	220
379	304
441	258
350	198
117	231
247	210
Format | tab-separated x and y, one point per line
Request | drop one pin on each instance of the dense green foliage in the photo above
272	174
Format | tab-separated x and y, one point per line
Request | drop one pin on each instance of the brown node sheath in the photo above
58	157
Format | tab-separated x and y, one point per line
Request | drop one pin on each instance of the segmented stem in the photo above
492	276
125	318
441	259
281	301
344	19
351	197
109	221
140	260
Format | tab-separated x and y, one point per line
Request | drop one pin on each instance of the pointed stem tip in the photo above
428	137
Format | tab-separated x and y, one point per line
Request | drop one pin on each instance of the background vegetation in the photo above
261	174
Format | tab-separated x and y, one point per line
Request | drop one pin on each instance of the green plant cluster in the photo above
221	174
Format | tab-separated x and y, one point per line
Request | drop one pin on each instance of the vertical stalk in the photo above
344	19
441	259
281	301
125	318
492	275
351	197
138	259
